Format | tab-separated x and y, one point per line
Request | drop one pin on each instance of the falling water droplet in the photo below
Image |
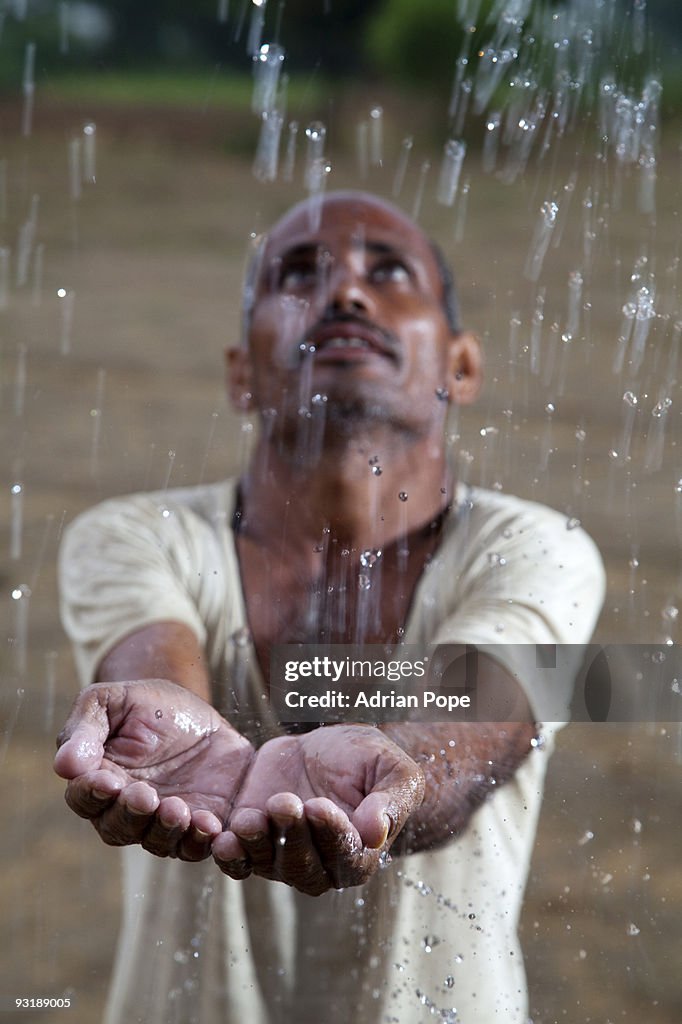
369	558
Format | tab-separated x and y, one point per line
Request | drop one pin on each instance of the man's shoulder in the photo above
485	506
523	526
183	507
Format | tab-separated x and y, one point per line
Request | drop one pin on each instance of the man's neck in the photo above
366	496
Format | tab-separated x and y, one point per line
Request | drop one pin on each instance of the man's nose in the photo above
348	293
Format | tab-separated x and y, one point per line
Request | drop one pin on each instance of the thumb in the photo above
81	741
382	814
373	820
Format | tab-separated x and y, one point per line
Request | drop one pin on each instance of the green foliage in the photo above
229	91
415	42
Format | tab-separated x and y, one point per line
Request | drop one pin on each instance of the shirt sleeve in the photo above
126	564
530	599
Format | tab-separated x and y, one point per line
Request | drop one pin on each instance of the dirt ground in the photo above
117	386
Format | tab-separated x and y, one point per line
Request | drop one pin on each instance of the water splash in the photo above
28	87
542	236
451	167
267	67
267	151
401	165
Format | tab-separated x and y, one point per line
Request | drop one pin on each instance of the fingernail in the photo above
286	821
252	837
137	813
201	836
387	829
99	794
318	822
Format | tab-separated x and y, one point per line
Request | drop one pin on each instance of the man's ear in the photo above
465	368
238	377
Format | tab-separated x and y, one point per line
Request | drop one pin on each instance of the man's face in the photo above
351	310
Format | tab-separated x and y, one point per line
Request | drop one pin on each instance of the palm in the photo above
316	811
188	752
341	764
150	762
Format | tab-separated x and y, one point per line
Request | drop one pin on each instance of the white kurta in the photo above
431	934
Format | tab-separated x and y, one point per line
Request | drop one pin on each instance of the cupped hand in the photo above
150	762
318	811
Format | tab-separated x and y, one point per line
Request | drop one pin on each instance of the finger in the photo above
297	861
170	823
376	818
382	814
195	844
126	821
338	844
91	794
230	856
252	829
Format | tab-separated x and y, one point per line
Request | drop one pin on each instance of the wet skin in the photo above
151	763
354	305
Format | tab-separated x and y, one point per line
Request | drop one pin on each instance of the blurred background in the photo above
141	147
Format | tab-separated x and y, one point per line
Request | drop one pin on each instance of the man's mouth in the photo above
341	339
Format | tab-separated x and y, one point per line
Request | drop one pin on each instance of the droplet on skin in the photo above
572	523
158	713
402	495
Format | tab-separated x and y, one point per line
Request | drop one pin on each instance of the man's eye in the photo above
297	275
390	270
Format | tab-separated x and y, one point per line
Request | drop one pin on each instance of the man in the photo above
346	527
